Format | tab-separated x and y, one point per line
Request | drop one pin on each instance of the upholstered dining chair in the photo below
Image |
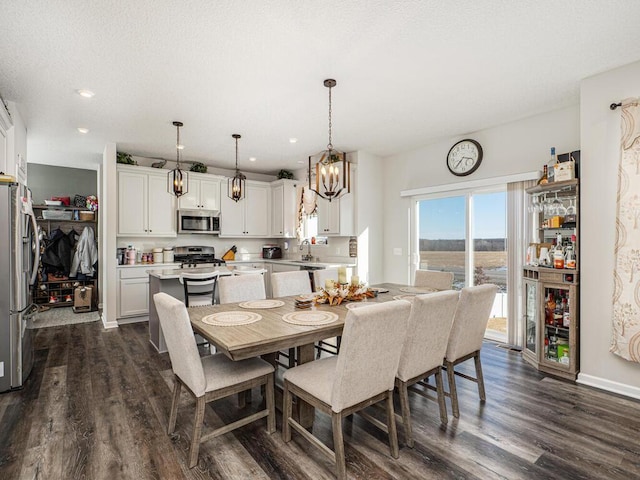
362	374
433	279
285	284
241	288
319	280
424	348
296	282
465	341
208	378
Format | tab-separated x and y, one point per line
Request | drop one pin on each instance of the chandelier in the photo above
332	172
235	185
178	179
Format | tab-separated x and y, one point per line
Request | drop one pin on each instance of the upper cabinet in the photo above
284	208
203	194
248	217
145	208
337	218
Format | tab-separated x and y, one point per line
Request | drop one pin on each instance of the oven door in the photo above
198	221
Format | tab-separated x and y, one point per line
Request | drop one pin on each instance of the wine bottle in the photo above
544	179
552	163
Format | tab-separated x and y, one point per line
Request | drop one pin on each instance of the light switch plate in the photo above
397	251
1	369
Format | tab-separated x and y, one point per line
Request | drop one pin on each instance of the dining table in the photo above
274	326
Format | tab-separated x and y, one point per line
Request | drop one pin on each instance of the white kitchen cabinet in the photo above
133	292
203	194
284	211
145	208
337	218
248	217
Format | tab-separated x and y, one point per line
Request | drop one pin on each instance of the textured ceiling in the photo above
408	72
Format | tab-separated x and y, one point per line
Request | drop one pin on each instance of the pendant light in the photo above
332	172
178	179
235	185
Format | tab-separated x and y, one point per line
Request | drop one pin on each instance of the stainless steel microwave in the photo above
198	221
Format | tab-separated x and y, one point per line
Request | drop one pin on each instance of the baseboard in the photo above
105	323
608	385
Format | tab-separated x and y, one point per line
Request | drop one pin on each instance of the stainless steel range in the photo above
193	257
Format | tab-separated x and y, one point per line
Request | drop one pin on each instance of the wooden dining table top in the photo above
272	333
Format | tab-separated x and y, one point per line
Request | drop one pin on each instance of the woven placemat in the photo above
315	317
404	297
417	290
231	319
352	305
258	304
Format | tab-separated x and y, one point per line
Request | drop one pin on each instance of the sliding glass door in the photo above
466	234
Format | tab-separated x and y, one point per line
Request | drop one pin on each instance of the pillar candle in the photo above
355	280
328	284
342	275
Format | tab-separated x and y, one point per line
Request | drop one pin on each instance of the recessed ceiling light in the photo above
252	159
293	140
83	130
300	161
85	93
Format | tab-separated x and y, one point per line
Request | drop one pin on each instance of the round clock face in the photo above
464	157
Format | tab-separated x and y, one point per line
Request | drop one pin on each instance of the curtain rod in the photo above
626	101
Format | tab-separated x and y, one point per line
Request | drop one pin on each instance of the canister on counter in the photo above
157	255
167	255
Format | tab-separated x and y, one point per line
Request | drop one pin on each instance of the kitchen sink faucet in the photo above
308	257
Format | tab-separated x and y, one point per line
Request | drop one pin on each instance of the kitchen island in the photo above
168	281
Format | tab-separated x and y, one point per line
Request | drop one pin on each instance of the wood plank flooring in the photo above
97	403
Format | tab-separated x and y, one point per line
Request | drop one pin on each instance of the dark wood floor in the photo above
97	403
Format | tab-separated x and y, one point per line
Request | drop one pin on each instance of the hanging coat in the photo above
86	254
57	254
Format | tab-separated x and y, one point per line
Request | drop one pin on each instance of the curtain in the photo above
625	339
307	206
519	234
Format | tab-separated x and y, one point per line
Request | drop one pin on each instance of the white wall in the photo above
600	132
517	147
369	223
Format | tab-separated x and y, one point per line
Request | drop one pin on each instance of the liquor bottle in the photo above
544	179
552	163
550	309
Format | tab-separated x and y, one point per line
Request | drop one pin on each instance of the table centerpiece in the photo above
336	293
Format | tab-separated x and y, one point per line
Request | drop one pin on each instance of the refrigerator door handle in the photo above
36	256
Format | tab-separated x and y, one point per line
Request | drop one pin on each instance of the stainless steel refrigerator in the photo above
19	258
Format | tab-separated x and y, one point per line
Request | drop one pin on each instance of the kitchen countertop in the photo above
298	263
171	273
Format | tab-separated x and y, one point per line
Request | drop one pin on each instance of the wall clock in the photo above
465	157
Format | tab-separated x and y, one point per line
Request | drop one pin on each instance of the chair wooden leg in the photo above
287	408
338	446
479	376
174	406
453	393
441	402
292	357
197	431
403	391
391	425
271	404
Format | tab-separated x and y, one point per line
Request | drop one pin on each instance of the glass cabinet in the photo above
551	286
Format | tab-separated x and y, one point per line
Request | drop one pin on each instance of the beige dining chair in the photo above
424	348
208	378
241	288
433	279
331	346
285	284
362	374
465	341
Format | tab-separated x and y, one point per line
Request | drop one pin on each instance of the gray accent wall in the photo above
46	181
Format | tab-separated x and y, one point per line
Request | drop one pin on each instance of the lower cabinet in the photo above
133	292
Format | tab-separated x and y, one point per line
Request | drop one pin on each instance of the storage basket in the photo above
57	214
87	216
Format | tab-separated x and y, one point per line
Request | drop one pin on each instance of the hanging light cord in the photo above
237	171
178	147
330	145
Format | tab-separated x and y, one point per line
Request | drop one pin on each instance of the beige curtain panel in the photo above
626	295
